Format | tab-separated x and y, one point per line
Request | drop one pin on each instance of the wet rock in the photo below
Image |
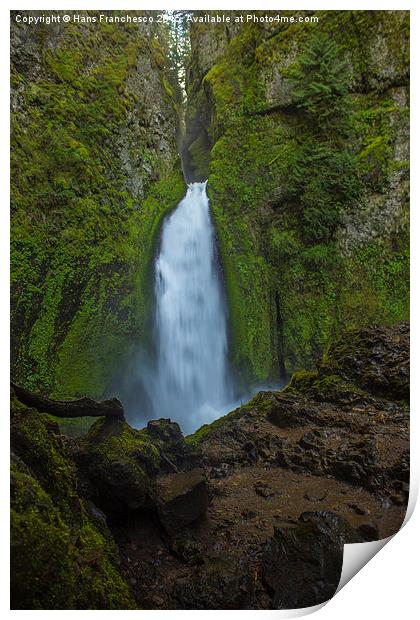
316	496
263	489
350	471
221	583
399	498
251	450
285	413
187	548
309	441
302	563
249	514
225	469
359	510
368	532
174	451
181	499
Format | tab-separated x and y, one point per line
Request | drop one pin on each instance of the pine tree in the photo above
321	84
322	176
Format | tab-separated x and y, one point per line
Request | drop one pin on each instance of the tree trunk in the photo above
79	408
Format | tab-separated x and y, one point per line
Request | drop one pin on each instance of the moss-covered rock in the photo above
60	558
370	359
117	462
374	359
175	452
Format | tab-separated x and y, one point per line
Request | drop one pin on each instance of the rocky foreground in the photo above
250	512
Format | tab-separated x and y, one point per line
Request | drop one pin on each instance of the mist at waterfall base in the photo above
186	376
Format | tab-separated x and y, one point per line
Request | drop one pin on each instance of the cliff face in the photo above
95	168
309	193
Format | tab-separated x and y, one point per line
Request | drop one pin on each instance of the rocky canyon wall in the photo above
94	169
312	217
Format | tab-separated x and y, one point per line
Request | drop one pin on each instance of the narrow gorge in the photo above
210	254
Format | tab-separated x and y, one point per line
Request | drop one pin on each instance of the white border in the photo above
386	586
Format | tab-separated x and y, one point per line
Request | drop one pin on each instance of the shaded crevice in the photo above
279	335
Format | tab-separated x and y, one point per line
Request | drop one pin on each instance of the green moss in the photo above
116	439
83	228
302	380
59	559
200	157
35	436
119	461
42	571
259	405
283	189
236	184
99	586
327	388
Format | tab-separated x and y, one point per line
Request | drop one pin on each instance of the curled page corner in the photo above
357	555
284	613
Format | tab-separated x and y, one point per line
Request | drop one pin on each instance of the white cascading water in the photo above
191	383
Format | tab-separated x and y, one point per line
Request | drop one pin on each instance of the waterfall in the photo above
190	382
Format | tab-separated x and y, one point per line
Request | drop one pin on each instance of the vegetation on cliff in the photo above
307	147
95	168
302	130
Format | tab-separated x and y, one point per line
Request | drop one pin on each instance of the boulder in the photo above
375	359
116	463
181	498
175	453
285	413
302	563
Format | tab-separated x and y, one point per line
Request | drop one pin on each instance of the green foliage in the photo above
373	123
321	80
175	40
322	182
319	169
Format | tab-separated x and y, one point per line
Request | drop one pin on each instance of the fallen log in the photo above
79	408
